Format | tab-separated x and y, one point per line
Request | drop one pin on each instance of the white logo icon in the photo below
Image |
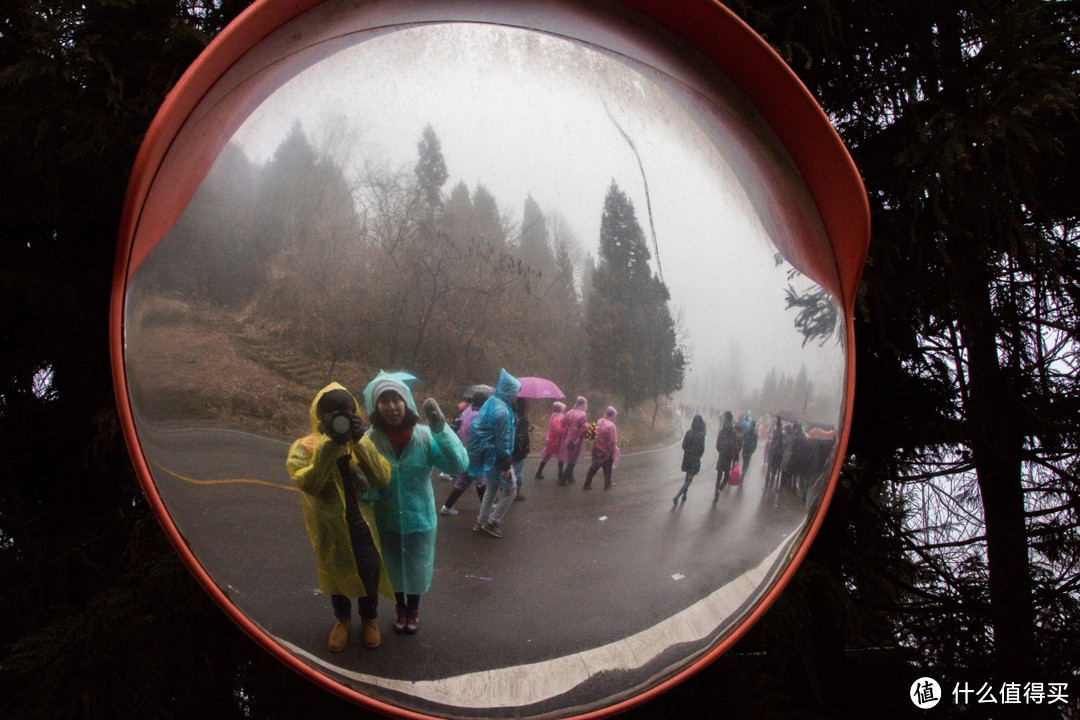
925	693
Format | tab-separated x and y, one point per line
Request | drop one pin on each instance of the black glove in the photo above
436	419
356	429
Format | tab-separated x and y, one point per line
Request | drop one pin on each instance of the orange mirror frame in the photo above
156	198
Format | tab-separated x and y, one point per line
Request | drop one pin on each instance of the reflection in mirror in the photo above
449	200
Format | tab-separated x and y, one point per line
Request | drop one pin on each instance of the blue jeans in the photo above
367	563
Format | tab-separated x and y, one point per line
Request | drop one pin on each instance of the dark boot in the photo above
540	471
682	490
721	482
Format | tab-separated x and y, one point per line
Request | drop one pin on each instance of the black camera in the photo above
343	426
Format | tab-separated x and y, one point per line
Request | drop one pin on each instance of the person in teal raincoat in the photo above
405	509
491	446
333	470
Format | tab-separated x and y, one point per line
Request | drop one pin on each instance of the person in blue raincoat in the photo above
491	447
405	509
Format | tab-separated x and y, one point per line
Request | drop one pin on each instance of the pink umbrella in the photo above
538	387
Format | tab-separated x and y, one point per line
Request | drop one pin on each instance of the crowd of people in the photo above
366	493
369	504
793	457
733	440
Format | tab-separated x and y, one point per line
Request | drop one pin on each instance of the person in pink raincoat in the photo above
462	424
573	437
553	439
605	449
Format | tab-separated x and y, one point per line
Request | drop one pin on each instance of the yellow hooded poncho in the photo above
312	465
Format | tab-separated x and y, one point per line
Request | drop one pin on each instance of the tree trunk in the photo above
996	443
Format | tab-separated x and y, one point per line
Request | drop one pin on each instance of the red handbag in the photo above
735	476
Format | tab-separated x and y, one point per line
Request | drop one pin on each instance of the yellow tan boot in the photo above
339	635
372	636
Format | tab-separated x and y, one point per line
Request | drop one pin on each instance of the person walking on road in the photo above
693	445
774	456
464	480
405	509
605	450
521	443
573	438
334	467
749	445
727	445
491	445
552	439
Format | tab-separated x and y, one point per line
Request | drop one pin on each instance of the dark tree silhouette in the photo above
431	168
633	344
962	118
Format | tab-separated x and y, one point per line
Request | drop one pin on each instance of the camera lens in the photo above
340	424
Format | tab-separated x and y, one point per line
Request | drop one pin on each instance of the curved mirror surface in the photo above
448	200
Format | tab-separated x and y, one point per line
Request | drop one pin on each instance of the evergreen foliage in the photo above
952	534
97	616
962	118
431	168
534	244
633	344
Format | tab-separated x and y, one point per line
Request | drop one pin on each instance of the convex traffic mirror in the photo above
636	201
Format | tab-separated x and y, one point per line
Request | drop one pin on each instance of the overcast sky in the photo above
526	113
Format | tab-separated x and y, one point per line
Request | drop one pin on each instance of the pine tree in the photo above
88	578
458	219
962	118
534	244
430	168
633	345
490	226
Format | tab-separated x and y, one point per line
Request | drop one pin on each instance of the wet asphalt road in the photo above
576	569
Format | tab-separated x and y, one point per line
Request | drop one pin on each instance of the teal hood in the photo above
390	381
507	387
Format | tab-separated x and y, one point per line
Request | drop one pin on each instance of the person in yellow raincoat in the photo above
334	467
405	510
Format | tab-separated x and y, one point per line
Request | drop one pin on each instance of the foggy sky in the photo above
524	114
